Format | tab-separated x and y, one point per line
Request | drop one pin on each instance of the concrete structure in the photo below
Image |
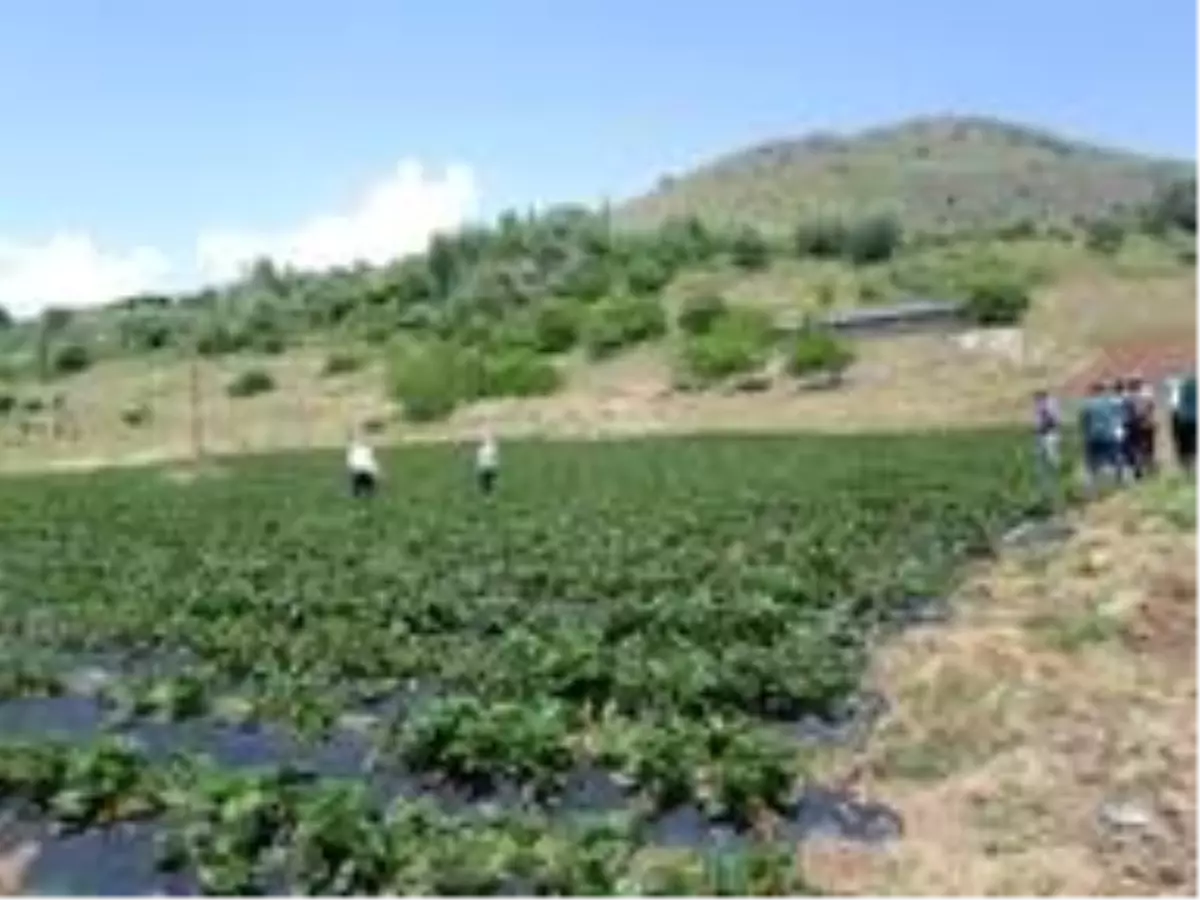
916	315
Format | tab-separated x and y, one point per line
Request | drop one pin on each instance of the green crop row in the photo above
656	610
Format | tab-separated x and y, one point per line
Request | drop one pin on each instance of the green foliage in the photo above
513	372
647	275
1172	207
997	302
341	362
820	239
873	240
145	332
429	380
622	321
818	351
750	250
654	639
221	339
737	342
700	311
8	403
432	378
71	358
136	415
6	318
557	325
1105	236
250	383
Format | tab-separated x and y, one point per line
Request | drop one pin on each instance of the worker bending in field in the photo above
487	463
362	467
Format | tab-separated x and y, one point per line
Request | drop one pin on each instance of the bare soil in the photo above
1045	741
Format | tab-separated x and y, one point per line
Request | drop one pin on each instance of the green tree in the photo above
1173	206
556	325
1105	236
700	311
819	239
997	301
873	240
749	249
816	351
622	321
737	342
71	358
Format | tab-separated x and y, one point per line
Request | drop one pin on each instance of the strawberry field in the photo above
605	677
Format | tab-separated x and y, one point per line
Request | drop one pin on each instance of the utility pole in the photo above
196	409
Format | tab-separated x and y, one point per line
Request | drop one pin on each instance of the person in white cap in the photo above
487	462
362	467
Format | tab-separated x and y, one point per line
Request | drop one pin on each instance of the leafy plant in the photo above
818	351
251	383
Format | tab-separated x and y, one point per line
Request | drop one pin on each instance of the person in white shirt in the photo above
487	462
362	467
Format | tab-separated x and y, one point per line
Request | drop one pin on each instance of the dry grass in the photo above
1067	683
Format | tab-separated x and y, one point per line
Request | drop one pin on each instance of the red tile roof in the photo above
1151	360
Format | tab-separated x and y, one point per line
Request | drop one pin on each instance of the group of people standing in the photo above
1118	424
362	466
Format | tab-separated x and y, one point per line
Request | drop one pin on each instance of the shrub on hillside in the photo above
428	380
8	403
136	415
341	363
515	372
1105	236
431	379
737	342
818	351
646	274
873	240
749	249
221	339
622	321
556	325
71	358
141	332
1172	207
820	239
250	383
700	311
997	302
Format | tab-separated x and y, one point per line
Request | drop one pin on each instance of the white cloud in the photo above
69	269
394	217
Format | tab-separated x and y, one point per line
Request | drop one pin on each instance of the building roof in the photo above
1151	360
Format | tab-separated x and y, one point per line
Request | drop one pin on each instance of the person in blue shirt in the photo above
1100	424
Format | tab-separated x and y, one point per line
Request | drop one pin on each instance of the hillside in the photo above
564	321
945	173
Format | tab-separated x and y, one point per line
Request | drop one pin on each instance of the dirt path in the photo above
1045	741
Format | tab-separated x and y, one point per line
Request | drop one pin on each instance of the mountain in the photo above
936	173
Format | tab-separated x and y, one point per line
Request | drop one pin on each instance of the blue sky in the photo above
134	130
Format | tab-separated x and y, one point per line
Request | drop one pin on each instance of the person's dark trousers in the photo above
1141	450
362	484
487	480
1148	450
1184	432
1179	439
